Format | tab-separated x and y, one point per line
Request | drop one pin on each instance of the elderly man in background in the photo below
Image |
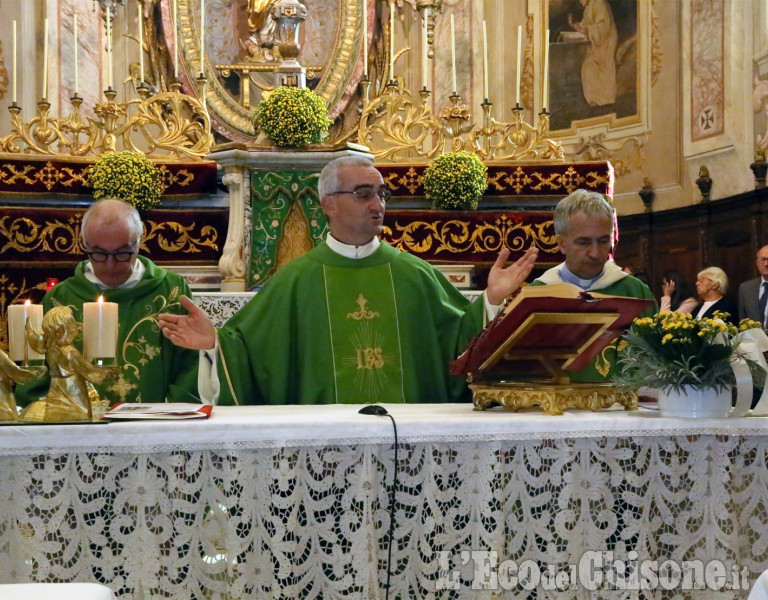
584	229
753	294
151	368
352	321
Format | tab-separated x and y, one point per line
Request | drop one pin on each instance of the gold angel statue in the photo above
69	397
11	373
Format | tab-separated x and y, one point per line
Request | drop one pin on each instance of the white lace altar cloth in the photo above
292	502
220	306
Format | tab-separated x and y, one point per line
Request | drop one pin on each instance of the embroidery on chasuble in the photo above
364	334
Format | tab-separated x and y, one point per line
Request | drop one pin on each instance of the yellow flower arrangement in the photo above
456	180
293	117
671	351
128	176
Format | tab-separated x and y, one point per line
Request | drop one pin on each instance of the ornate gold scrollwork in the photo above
392	125
183	240
458	237
552	399
517	140
24	235
171	124
395	128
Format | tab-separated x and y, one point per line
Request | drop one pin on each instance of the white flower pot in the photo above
695	403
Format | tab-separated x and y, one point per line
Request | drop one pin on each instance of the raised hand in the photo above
504	281
667	288
193	330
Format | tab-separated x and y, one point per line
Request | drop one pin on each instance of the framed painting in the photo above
597	54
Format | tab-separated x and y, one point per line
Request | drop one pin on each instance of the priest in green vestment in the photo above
352	321
152	369
584	229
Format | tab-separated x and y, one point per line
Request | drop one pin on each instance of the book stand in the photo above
522	358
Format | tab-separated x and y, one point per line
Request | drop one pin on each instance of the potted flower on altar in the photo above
128	176
692	362
293	117
456	180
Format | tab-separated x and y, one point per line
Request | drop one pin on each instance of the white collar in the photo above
611	274
135	277
352	251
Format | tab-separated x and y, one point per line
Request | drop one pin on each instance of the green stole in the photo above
364	334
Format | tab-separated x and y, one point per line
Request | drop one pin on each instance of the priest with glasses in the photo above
352	321
151	368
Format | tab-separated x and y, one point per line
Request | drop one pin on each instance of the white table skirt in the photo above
292	502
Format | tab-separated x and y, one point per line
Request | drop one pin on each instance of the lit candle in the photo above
141	42
14	62
18	314
453	54
392	40
365	38
100	329
485	60
517	85
109	50
45	59
545	93
175	42
202	38
74	35
424	53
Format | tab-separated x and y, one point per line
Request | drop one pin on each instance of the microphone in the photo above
374	409
380	411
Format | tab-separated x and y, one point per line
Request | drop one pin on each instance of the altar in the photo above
293	502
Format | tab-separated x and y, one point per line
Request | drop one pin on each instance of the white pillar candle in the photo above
14	62
202	38
545	93
424	53
365	38
485	60
453	55
109	49
45	59
100	329
74	35
141	42
175	42
392	40
519	61
18	314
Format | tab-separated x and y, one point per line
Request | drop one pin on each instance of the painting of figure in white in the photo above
593	60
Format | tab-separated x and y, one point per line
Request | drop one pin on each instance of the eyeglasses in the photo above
120	256
760	259
366	193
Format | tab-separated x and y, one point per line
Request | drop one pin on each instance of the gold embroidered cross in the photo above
363	313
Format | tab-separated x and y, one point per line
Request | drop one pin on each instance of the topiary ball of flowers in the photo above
128	176
293	117
456	180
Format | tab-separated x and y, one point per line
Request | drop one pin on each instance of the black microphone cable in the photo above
380	411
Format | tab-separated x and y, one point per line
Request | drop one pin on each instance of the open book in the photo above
160	410
546	330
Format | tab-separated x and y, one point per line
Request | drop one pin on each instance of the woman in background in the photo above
676	293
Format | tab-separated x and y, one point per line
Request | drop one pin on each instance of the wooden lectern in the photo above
522	358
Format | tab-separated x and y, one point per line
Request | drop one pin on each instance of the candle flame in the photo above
101	299
28	301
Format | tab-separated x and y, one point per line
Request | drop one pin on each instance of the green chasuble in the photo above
329	329
614	282
153	369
